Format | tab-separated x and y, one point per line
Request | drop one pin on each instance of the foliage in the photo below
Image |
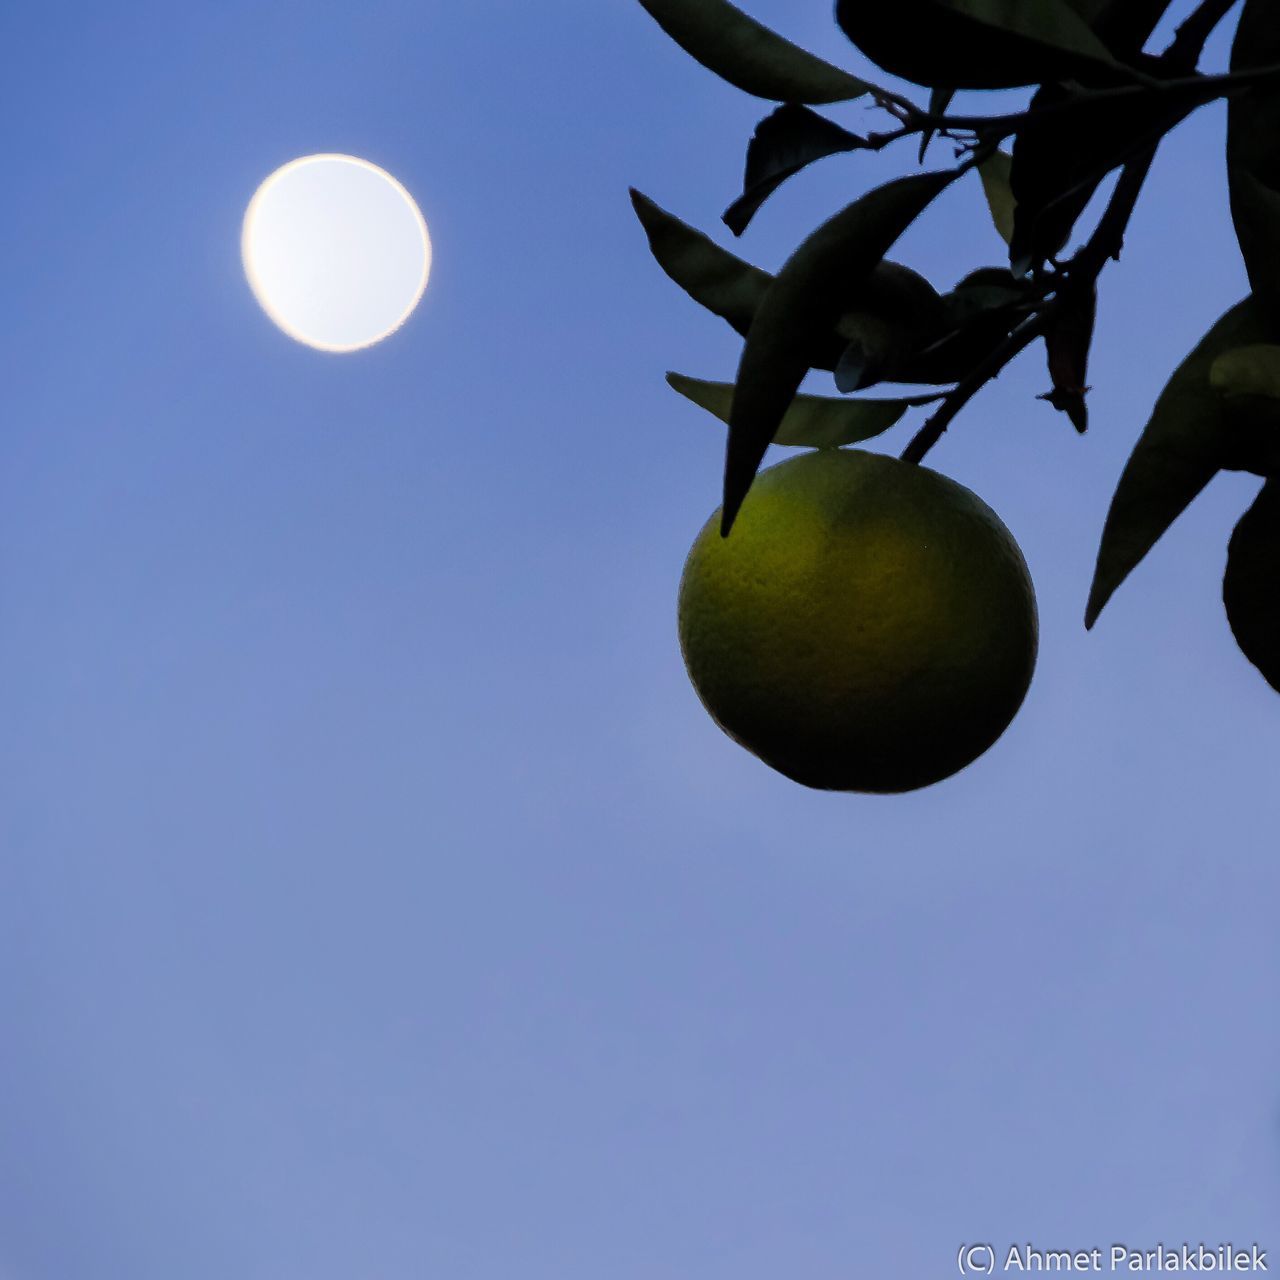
1101	103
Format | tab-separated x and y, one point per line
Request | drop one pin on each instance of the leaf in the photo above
1253	158
1124	26
1255	210
1090	10
1251	585
939	101
994	172
1185	443
733	289
750	56
1248	380
784	142
1248	371
804	302
814	422
980	313
1067	342
1058	165
976	44
713	277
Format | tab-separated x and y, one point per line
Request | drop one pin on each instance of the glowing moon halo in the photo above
336	251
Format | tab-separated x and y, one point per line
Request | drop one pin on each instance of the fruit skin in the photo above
869	625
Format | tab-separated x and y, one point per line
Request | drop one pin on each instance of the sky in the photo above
376	900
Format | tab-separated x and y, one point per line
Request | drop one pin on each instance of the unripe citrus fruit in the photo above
869	625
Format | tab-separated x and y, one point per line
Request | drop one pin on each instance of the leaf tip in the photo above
737	217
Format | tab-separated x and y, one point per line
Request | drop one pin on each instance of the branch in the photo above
956	399
1192	35
1201	89
1080	273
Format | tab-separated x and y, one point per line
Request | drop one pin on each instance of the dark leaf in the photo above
1248	380
980	312
1251	586
746	54
892	296
1253	157
814	422
994	172
1185	443
804	302
976	44
1090	10
710	275
1255	210
939	101
1067	342
898	311
1124	26
1057	166
783	144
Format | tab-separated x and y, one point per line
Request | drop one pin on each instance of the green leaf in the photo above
801	306
1248	371
711	276
1253	158
812	422
1185	443
994	172
1251	585
784	142
976	44
746	54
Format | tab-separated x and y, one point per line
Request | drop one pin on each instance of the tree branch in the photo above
1080	273
1192	35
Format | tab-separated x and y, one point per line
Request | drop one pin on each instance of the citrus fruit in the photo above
869	625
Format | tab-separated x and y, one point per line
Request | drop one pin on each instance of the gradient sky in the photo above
377	902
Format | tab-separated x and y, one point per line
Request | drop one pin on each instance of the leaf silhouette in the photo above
1067	342
1253	159
713	277
976	44
813	422
994	172
1249	585
786	141
1185	443
939	101
891	297
750	56
801	306
1058	165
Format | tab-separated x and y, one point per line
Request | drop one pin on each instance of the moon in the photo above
336	251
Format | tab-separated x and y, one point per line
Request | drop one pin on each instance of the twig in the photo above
1195	87
1017	341
1080	272
1192	35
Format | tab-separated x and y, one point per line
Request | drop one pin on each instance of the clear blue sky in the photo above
376	900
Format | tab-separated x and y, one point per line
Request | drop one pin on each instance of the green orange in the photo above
869	625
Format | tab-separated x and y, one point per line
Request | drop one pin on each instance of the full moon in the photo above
336	251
